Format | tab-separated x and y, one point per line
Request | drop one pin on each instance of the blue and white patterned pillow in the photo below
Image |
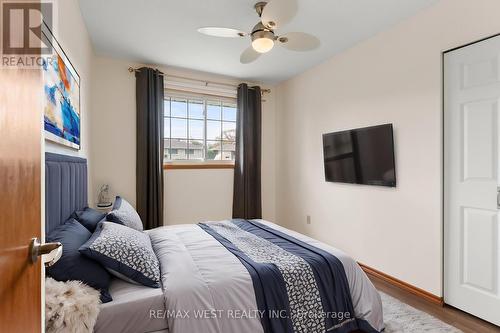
124	213
125	252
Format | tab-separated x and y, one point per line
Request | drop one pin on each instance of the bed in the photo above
214	278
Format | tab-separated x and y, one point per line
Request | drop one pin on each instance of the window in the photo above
199	129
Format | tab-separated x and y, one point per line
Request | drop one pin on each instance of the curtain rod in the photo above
206	82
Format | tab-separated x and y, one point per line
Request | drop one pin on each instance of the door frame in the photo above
443	53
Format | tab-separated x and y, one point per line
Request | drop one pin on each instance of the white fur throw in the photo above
70	307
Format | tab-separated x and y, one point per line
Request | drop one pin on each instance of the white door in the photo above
471	179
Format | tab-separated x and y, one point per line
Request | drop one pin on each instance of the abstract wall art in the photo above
61	85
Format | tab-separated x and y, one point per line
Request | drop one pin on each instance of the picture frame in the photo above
61	95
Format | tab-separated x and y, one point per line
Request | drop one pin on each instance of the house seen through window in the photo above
199	129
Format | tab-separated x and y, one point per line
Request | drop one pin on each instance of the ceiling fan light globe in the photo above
262	45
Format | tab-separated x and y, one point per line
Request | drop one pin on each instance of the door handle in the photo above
38	249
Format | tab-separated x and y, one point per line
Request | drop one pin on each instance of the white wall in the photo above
191	195
113	128
71	33
394	77
198	195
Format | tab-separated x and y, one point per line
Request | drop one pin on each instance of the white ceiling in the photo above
163	32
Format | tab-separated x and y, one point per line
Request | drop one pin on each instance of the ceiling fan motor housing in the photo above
259	8
260	31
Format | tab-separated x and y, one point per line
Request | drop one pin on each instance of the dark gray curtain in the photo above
149	164
247	202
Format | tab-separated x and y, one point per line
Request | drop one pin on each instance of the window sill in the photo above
198	165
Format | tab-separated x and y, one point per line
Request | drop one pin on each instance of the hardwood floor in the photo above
448	314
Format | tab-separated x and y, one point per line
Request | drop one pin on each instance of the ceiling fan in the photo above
273	15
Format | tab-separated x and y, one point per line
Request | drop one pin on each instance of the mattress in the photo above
134	309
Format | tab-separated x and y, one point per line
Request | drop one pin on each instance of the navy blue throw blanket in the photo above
298	287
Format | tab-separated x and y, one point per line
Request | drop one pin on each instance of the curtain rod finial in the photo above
131	70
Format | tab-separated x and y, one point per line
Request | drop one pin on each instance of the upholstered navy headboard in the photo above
65	188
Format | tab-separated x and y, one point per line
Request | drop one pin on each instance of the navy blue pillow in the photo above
88	217
75	266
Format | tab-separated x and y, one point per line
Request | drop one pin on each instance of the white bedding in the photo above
129	311
207	289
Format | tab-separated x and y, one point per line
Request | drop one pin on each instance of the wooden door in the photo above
20	194
472	178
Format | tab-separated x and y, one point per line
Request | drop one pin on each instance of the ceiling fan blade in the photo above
222	32
277	13
249	55
299	41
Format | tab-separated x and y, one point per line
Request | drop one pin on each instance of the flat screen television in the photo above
360	156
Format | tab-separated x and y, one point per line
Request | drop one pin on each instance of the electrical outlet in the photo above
308	219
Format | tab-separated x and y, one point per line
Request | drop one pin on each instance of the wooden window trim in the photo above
194	166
